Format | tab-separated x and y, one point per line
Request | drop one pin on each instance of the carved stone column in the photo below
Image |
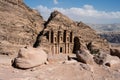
49	36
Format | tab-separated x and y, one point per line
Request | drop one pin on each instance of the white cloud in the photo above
88	7
55	1
87	14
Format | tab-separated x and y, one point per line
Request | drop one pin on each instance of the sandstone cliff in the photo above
19	25
88	35
83	32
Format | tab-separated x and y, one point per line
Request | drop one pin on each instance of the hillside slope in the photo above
82	31
19	25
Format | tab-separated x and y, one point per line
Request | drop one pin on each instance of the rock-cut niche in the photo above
76	45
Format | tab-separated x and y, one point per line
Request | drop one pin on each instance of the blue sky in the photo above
88	11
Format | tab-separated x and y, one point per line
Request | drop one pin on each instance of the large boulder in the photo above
85	57
30	57
111	60
106	59
115	52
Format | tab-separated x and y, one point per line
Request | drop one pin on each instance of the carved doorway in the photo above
61	50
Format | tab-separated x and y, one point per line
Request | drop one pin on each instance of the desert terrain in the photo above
57	49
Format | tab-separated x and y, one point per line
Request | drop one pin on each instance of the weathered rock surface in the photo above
85	57
81	31
28	78
111	60
22	26
88	35
115	52
19	26
106	59
70	61
60	71
57	58
30	57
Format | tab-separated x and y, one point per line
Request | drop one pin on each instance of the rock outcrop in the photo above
106	59
83	34
85	57
87	35
30	57
19	25
115	52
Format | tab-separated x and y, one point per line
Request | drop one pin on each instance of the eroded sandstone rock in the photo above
19	26
30	57
59	28
115	52
106	59
85	57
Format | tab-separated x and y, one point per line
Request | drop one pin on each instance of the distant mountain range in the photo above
112	37
106	27
111	32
